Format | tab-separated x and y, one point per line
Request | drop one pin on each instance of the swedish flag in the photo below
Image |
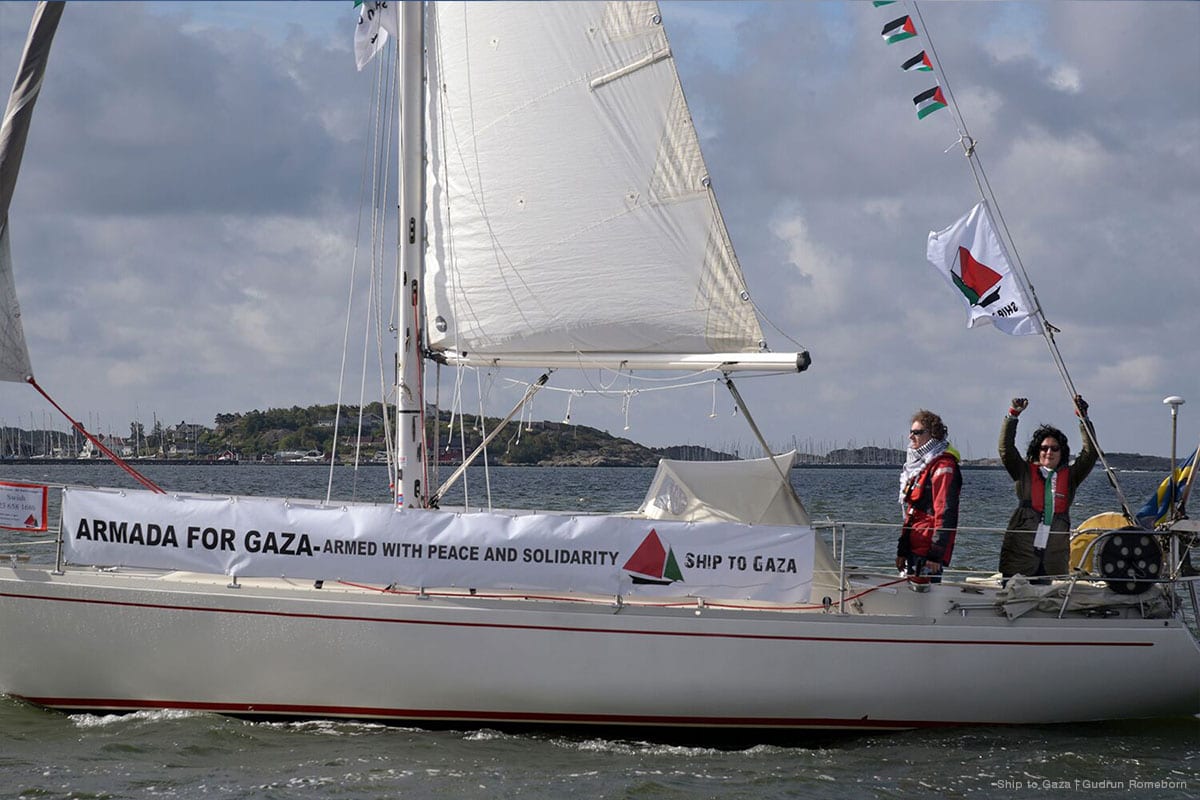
1158	506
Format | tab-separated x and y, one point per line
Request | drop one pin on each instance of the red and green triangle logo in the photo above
977	279
653	563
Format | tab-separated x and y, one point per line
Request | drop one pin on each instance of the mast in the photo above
409	484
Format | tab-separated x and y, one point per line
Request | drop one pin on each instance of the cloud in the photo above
187	215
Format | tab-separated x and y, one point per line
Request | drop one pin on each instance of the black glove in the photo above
1081	407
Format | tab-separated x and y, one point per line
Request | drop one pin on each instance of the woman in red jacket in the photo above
930	483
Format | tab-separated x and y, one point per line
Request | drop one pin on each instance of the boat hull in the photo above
100	641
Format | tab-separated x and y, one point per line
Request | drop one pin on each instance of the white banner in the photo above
23	506
379	544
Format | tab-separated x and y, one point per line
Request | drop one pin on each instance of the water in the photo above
189	755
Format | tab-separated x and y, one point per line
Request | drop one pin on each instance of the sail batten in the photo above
570	207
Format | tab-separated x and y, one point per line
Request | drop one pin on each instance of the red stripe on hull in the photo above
90	705
576	629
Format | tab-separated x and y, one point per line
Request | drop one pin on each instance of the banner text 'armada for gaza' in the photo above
261	537
290	543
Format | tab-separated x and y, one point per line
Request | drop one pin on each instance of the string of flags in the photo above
970	254
898	30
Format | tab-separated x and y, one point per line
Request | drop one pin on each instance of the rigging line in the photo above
337	417
482	448
462	442
584	366
614	392
603	391
487	472
382	149
456	404
970	150
388	147
727	244
763	316
762	441
435	461
648	379
381	132
137	476
362	405
1186	490
418	334
362	386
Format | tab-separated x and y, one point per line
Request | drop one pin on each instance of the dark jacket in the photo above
1017	554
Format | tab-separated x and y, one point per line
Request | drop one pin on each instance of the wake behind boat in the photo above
715	605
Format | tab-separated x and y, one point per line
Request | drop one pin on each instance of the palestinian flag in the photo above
918	63
898	30
929	101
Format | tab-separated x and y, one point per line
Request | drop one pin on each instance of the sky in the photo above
184	227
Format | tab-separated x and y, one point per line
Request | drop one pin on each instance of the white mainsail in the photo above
14	354
570	210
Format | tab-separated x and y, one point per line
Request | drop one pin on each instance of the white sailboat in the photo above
715	605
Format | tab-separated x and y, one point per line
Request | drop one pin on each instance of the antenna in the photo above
1174	401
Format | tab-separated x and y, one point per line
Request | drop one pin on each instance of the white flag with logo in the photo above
974	261
376	20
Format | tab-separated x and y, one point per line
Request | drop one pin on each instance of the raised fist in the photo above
1019	404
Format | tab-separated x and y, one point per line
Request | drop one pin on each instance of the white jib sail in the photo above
14	354
570	209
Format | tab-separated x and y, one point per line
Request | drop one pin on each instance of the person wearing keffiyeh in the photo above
930	482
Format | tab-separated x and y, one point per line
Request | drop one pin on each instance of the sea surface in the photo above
170	754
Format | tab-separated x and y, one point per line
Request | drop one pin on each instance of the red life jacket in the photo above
1037	489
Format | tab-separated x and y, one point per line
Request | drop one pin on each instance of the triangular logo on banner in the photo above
652	563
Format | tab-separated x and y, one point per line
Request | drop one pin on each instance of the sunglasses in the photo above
1051	448
917	432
